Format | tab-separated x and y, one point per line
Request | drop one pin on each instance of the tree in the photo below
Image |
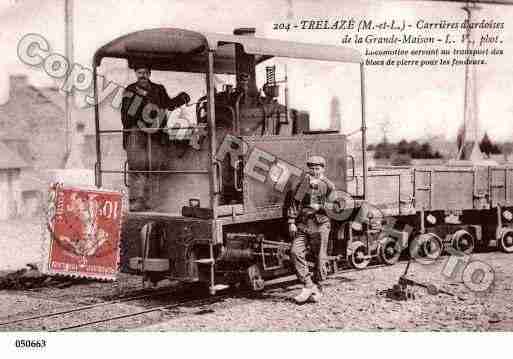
403	147
414	149
425	151
488	147
402	152
383	150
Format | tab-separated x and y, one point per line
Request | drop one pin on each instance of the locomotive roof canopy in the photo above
170	49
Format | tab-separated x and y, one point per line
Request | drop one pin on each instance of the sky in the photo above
414	102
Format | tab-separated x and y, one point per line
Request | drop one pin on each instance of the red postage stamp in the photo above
84	229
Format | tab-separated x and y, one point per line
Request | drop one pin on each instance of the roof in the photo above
10	159
53	95
183	50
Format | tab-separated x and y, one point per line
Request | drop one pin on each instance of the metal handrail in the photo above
218	175
156	171
141	130
236	176
124	173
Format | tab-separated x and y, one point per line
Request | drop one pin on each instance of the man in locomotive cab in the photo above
143	111
274	111
269	92
243	93
310	224
254	110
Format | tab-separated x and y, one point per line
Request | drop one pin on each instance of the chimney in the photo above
18	80
17	83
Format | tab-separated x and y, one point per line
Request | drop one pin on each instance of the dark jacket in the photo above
311	202
136	98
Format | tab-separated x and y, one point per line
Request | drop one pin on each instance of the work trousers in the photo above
141	185
315	236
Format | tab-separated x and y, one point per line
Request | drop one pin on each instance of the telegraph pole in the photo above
469	149
68	43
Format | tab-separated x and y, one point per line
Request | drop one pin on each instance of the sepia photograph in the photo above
285	166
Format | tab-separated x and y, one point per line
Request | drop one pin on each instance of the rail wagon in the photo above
458	207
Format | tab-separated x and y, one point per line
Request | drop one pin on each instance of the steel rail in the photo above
208	300
86	307
146	311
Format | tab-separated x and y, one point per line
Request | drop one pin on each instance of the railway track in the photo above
120	299
181	297
192	303
189	301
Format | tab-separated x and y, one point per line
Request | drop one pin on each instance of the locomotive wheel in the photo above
358	258
463	242
389	252
506	242
254	278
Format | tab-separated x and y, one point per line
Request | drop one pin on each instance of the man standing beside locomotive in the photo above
310	224
143	111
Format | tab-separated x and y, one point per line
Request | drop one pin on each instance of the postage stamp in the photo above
83	231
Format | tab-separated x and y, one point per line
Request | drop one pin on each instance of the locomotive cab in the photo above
259	108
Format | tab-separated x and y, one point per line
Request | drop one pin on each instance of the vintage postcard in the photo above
265	166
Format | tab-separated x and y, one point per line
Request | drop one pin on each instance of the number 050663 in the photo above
30	343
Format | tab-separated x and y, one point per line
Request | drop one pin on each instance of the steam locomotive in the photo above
217	201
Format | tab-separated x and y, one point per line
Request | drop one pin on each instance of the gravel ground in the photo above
351	302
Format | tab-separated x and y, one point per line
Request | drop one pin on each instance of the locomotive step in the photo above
150	264
218	287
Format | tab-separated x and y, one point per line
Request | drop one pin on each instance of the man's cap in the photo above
316	161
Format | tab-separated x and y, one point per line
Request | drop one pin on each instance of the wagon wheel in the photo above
358	258
463	242
506	242
389	251
432	247
426	248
